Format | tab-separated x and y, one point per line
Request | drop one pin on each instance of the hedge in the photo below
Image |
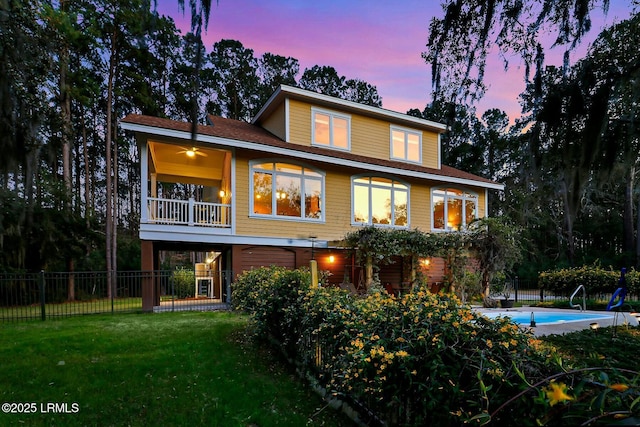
596	280
423	359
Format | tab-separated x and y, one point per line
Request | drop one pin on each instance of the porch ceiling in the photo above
168	163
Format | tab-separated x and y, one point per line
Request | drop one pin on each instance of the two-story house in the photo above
284	188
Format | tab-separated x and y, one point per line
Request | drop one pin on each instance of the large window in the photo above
380	201
453	209
285	190
406	145
331	129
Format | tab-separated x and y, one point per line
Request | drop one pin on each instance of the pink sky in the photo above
378	41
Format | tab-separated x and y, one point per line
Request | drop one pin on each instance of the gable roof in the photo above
238	134
283	92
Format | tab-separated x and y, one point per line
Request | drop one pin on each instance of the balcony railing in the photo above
188	212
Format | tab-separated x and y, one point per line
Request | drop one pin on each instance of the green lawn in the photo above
170	369
608	347
72	308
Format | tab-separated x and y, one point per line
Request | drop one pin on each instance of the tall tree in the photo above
273	71
360	91
322	79
200	13
460	41
235	74
185	85
24	106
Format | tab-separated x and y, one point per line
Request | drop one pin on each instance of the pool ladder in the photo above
582	307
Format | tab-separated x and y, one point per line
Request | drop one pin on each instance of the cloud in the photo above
378	41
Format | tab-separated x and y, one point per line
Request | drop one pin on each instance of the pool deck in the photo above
622	319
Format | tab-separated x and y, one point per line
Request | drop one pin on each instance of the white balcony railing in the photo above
188	212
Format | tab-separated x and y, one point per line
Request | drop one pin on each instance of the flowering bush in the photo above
423	359
426	360
587	396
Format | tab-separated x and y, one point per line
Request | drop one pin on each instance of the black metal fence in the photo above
47	295
527	292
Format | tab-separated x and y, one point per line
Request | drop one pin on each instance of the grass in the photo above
164	369
608	347
101	305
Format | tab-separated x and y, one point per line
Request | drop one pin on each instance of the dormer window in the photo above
331	129
406	145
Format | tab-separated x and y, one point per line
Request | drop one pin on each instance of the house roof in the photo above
235	133
283	92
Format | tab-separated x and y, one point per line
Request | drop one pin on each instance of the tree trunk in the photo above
638	235
568	223
368	272
627	213
87	179
116	210
108	171
65	113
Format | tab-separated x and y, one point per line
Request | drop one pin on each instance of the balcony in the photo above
188	213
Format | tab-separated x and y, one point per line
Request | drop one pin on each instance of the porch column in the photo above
146	249
144	178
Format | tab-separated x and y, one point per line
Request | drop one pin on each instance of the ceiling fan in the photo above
192	152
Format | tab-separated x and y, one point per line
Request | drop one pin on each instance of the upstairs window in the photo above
380	201
406	145
331	129
282	190
453	209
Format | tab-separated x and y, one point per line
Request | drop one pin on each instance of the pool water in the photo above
549	317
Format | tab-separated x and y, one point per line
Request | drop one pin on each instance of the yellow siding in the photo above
275	123
430	142
481	202
369	137
299	123
420	203
337	204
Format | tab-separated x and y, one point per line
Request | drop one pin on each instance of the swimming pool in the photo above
549	317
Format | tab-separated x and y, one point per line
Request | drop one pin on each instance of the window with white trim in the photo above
284	190
379	201
406	145
331	129
453	209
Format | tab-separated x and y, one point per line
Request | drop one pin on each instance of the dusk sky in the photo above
378	41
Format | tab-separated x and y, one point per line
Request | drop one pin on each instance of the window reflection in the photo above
285	192
330	129
321	130
380	201
406	145
453	209
262	193
288	195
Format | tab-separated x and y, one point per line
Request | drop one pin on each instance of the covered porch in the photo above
186	186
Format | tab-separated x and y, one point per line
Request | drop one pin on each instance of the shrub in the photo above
426	360
595	279
270	295
183	280
423	359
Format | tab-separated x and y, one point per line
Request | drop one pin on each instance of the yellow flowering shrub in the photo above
422	359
